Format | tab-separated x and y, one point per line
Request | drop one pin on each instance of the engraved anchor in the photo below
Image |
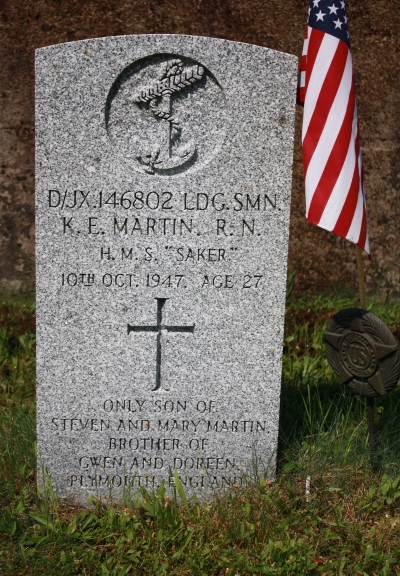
167	154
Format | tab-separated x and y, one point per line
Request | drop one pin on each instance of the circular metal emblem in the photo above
165	114
358	355
363	352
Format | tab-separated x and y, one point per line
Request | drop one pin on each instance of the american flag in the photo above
335	194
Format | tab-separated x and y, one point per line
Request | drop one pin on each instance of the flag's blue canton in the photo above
329	16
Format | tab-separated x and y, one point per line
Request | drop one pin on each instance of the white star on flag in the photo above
316	2
333	9
320	16
343	5
338	23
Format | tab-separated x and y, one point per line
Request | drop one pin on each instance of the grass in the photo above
348	523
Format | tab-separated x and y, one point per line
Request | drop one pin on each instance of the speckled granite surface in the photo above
163	202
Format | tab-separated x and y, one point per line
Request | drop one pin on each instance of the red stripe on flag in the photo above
334	164
349	207
346	216
314	42
362	241
301	94
324	103
301	88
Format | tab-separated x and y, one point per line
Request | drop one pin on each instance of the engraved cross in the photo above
159	328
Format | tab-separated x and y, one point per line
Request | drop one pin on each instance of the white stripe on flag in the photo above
355	228
315	81
337	199
329	134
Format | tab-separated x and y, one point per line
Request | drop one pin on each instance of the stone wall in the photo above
321	260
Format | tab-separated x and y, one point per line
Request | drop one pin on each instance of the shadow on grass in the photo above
325	427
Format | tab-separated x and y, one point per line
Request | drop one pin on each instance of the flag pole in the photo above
373	441
361	277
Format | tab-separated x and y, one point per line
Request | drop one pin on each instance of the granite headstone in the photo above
163	204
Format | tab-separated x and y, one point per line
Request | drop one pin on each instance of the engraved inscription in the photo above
140	448
108	481
137	200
